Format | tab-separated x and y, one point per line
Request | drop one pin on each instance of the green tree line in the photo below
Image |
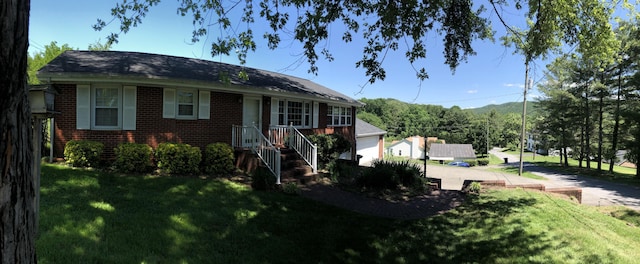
454	125
590	106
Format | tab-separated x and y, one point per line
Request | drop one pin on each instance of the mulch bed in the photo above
405	208
391	205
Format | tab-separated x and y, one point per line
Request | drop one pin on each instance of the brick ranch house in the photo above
115	97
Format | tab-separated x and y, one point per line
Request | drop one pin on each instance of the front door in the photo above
251	109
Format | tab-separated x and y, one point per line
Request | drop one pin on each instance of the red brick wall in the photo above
348	132
151	128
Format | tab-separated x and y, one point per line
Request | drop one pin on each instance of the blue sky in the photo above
495	75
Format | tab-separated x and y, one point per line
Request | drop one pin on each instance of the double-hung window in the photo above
186	103
339	116
293	112
105	107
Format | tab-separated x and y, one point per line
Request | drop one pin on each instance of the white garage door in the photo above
368	148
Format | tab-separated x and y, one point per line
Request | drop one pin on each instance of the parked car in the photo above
459	164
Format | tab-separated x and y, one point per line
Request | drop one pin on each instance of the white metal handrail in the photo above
278	134
251	137
304	147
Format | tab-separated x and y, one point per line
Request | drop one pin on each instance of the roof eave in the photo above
188	83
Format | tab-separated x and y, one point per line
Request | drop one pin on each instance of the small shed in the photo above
450	152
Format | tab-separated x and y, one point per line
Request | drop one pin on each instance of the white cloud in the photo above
513	85
472	91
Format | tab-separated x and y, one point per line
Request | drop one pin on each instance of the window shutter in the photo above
129	95
274	111
169	103
204	105
316	114
83	106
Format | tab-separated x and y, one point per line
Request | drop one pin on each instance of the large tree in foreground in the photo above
382	27
17	191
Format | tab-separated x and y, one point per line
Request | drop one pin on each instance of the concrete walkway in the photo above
594	192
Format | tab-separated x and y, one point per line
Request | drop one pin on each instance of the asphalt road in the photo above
594	192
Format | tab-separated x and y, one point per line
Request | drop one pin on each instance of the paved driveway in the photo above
594	191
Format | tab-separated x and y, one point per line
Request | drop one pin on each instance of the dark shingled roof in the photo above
118	64
452	150
365	129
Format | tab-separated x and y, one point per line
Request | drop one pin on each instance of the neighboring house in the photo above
115	97
369	142
534	145
621	159
451	152
411	147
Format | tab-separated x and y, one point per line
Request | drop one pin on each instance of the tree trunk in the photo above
600	132
587	128
614	141
17	191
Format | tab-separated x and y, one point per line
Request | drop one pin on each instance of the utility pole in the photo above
524	114
487	136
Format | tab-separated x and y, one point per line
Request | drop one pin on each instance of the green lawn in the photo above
94	217
620	174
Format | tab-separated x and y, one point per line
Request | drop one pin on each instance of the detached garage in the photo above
369	143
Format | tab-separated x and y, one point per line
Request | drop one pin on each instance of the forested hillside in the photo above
453	124
506	108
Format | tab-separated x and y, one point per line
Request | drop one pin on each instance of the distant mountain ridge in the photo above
506	108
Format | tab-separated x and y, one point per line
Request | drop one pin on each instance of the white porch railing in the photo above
251	137
291	136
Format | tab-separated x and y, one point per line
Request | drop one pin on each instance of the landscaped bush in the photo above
390	175
344	171
483	162
218	159
472	162
262	179
176	158
133	157
83	153
329	147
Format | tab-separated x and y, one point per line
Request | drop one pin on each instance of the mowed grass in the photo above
620	174
94	217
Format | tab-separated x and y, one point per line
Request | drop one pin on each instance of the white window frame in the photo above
194	104
338	116
171	106
86	106
283	111
94	106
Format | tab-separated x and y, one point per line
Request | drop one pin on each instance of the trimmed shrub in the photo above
83	153
218	159
472	162
382	177
390	174
344	171
177	158
133	157
483	162
262	179
329	147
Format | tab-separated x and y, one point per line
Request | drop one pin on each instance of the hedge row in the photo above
172	158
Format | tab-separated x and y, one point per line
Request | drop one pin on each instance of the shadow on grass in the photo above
625	178
478	232
93	217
